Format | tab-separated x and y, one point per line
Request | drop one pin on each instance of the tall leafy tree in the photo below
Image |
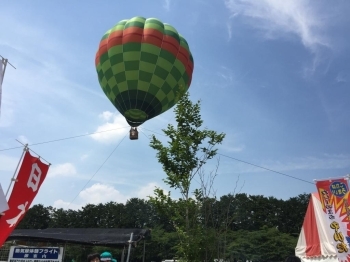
188	149
37	217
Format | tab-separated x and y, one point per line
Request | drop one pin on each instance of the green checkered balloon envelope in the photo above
143	67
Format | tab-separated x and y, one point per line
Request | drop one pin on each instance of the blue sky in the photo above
273	75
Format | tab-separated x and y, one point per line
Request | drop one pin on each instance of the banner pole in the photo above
33	152
3	65
14	174
2	74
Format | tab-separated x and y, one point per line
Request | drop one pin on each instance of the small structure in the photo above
106	237
134	134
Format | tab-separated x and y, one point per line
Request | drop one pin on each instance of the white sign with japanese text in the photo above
35	254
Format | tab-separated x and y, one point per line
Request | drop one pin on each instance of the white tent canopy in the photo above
3	203
315	241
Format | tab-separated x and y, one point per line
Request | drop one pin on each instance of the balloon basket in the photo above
134	134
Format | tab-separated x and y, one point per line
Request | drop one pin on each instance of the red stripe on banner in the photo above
31	175
312	238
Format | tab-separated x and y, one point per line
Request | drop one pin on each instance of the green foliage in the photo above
229	227
187	151
189	147
37	217
266	244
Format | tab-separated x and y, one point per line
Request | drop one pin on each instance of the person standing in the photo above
106	257
93	257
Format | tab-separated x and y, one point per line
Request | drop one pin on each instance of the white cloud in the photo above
101	193
66	169
106	115
96	194
147	190
276	18
104	193
113	130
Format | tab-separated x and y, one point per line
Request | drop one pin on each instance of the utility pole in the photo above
3	65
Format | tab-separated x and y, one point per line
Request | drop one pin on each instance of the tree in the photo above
293	212
37	217
187	151
266	244
137	213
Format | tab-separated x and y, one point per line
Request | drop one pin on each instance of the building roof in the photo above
113	237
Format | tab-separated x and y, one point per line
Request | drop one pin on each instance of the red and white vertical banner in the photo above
334	196
30	176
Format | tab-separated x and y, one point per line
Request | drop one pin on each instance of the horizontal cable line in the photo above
88	134
268	169
248	163
66	138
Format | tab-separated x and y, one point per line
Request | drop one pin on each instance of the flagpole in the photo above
13	179
34	152
3	65
2	74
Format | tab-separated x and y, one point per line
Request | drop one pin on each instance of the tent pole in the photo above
130	243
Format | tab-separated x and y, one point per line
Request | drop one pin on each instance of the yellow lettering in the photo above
342	248
338	236
334	225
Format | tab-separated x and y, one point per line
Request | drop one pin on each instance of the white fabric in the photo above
328	252
3	203
326	238
319	259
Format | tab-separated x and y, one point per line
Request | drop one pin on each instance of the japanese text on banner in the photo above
334	196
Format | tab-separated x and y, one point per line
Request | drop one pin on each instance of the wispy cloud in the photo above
341	77
232	143
277	18
83	157
225	77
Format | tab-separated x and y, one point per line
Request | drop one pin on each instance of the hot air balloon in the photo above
143	67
